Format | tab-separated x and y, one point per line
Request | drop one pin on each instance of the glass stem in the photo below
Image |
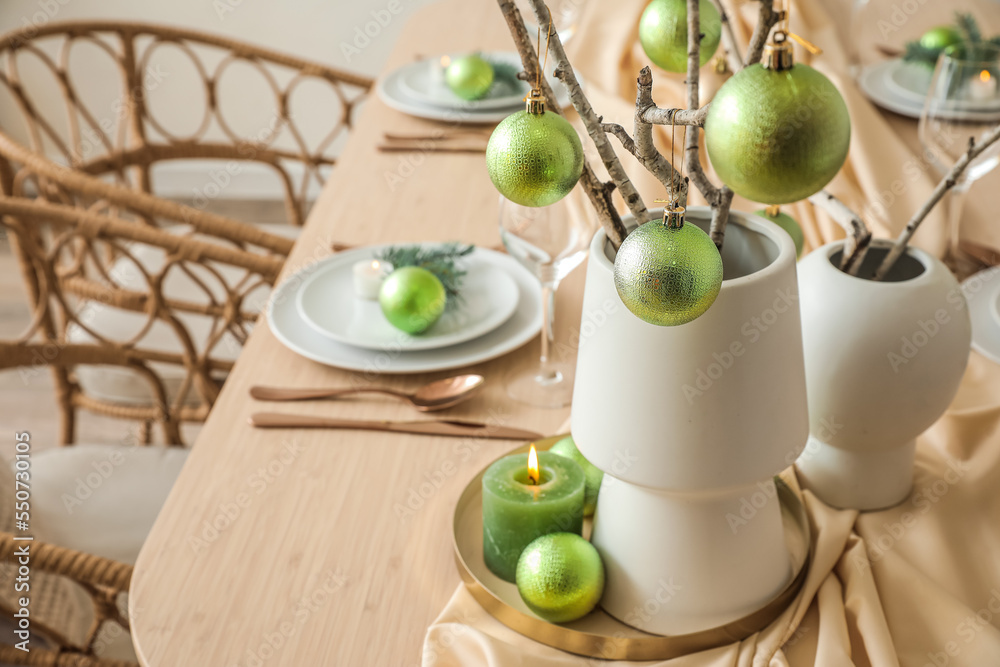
955	207
545	370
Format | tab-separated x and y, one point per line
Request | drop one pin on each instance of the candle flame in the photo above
376	264
984	76
445	61
533	475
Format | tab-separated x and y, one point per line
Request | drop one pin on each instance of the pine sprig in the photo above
442	260
970	46
967	25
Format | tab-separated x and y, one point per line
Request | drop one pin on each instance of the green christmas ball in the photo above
790	225
534	159
668	276
663	32
470	77
560	577
940	38
777	137
412	299
592	474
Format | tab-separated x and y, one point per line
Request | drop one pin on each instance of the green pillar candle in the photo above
515	511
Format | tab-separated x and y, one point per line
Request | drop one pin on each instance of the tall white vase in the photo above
883	361
690	424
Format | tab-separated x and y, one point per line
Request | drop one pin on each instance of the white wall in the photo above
354	35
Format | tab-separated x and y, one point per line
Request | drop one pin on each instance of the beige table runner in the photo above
915	586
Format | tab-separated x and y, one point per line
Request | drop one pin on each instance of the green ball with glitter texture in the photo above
412	299
469	77
663	33
593	475
790	225
560	576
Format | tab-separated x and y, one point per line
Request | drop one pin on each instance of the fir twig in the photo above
441	260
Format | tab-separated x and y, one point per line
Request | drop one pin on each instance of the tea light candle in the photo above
983	87
438	69
368	277
521	503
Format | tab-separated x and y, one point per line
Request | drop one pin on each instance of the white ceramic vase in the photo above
690	424
883	361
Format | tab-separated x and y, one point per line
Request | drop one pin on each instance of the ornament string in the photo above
544	60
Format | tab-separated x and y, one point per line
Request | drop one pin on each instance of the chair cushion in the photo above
121	385
102	499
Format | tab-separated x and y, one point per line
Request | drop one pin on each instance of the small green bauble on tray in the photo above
560	577
469	77
667	272
594	475
412	299
663	32
788	223
534	157
777	132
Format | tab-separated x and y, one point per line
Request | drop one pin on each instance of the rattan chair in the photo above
160	295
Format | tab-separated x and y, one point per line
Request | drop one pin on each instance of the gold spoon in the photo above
437	395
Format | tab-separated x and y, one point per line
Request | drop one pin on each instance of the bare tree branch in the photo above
654	115
645	149
858	236
733	56
947	183
766	19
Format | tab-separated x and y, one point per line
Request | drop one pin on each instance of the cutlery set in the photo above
452	141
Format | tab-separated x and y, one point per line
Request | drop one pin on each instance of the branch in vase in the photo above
949	181
729	39
654	115
858	235
598	192
766	19
645	149
564	71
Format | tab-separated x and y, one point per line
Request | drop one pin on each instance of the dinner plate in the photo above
393	92
982	292
327	302
292	331
421	81
884	85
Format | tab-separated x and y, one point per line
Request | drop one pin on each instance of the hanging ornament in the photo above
412	299
469	77
592	474
713	78
663	32
560	577
786	222
534	158
777	132
667	272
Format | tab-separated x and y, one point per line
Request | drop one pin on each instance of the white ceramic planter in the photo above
689	423
883	361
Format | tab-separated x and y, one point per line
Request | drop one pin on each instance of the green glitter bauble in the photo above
663	32
668	276
560	577
412	299
790	225
469	77
592	474
776	137
940	38
534	159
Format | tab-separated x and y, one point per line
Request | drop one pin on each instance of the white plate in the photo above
326	301
982	292
876	82
910	80
420	82
289	328
393	92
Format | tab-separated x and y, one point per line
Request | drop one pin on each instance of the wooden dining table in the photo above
323	547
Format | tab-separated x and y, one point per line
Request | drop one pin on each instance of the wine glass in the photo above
962	104
566	16
550	241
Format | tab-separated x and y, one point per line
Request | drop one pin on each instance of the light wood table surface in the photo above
311	553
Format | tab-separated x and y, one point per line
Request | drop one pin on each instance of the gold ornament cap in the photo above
673	213
778	55
534	103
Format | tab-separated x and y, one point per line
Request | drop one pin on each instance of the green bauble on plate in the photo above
560	577
776	136
592	474
663	32
412	299
940	38
668	275
469	77
789	224
534	157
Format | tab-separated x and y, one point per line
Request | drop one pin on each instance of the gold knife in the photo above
452	427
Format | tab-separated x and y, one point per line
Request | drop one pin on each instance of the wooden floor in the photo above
27	402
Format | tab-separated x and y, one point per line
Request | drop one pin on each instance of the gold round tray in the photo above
599	635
